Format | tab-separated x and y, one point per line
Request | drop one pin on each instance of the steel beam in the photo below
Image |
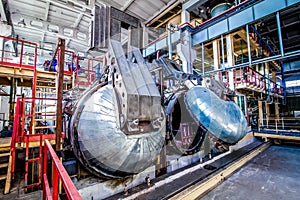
2	12
47	10
172	4
191	4
78	20
248	44
240	18
161	44
127	4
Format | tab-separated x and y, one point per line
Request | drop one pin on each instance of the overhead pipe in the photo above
279	34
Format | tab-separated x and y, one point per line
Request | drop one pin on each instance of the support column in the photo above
145	36
266	74
267	112
277	110
184	49
60	88
274	75
1	49
12	99
260	113
216	55
185	16
230	60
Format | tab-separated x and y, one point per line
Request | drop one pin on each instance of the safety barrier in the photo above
87	76
59	172
22	54
280	124
255	79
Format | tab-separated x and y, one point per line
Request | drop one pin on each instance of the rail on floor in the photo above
59	173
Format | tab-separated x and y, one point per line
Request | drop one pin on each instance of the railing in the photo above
266	47
89	75
280	124
12	56
23	54
255	79
59	172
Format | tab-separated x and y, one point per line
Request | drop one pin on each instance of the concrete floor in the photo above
274	174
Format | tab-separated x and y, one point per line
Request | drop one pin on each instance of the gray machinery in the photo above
118	126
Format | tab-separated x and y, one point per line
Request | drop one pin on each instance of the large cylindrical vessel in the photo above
99	143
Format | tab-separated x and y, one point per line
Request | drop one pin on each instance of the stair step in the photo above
45	86
4	154
42	127
42	92
45	105
3	165
45	80
2	177
46	119
46	113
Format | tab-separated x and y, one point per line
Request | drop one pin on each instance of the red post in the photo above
26	160
15	135
58	171
40	160
22	132
55	182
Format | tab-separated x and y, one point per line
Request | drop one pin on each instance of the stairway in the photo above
5	162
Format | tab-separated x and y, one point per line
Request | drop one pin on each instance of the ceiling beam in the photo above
47	10
70	5
171	4
127	4
2	12
78	20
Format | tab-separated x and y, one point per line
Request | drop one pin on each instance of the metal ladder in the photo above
43	119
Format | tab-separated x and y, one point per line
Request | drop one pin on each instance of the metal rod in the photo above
203	67
222	50
248	44
170	41
279	34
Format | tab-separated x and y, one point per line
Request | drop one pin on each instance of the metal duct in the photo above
223	119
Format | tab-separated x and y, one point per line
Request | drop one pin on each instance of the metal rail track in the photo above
201	187
198	181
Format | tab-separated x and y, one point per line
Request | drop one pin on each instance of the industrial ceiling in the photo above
43	21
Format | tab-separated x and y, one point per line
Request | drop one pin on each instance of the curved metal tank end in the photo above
99	143
186	133
223	119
